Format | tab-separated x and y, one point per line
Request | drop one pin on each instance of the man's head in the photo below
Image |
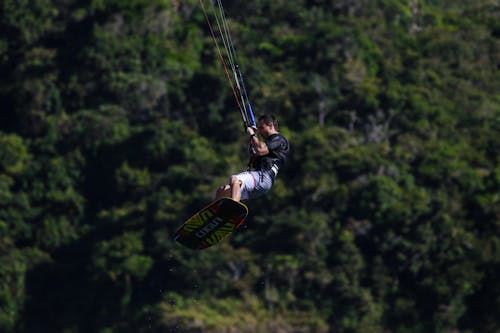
267	125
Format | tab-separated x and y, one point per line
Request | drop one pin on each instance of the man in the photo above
268	156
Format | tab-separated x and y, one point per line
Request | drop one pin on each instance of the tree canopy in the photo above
117	124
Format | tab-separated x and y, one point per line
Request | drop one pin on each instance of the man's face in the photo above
264	129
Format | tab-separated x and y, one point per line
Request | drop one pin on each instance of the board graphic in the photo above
212	224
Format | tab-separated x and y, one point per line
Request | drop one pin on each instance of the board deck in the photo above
212	224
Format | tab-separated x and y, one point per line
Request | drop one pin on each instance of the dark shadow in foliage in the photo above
65	294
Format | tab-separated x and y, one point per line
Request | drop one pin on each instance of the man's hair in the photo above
269	119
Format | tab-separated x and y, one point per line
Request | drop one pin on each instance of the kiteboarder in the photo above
267	157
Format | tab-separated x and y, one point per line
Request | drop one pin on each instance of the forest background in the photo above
117	123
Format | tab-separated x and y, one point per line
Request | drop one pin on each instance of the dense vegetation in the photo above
117	123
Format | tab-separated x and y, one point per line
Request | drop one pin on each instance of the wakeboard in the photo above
212	224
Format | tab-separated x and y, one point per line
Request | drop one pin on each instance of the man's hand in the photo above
251	130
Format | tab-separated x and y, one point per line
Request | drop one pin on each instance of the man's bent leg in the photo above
236	188
223	191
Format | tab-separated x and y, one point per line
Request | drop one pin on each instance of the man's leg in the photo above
236	188
223	192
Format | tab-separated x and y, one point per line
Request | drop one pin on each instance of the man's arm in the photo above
260	148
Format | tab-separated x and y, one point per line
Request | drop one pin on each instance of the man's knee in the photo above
235	181
223	191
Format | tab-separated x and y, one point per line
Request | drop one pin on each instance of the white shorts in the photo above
254	183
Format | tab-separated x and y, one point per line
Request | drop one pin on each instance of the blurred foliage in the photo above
117	124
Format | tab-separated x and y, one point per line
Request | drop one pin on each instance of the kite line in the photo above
228	60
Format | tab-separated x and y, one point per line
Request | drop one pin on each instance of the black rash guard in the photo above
278	153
